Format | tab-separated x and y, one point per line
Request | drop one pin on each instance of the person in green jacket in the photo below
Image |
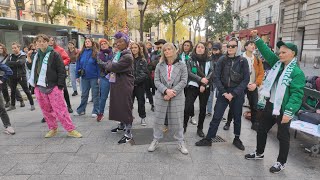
283	91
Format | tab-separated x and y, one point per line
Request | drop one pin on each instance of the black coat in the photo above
17	65
56	73
222	79
140	71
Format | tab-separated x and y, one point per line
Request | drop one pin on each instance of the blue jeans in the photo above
86	85
72	70
104	93
221	105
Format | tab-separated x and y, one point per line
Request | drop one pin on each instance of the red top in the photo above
65	57
169	71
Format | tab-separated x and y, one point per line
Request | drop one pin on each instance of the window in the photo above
257	22
302	10
78	7
270	11
247	21
282	16
248	3
269	17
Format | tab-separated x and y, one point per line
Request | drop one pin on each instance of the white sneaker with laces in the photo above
277	167
153	146
182	148
9	130
94	115
193	121
143	122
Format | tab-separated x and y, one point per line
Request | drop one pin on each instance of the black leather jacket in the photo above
140	70
196	77
227	66
17	65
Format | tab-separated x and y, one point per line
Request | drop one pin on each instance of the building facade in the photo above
300	23
262	15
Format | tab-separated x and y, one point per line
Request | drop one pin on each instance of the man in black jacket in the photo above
231	78
17	62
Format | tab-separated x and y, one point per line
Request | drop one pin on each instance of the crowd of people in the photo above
170	76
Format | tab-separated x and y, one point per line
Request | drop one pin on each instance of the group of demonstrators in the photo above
170	77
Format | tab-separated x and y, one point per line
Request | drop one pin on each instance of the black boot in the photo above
70	110
152	107
43	120
7	105
22	104
200	133
75	93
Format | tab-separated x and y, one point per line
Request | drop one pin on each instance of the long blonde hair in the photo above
165	46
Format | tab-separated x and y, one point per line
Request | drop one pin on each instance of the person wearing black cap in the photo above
283	89
216	54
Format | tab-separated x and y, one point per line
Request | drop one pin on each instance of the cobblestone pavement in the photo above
28	155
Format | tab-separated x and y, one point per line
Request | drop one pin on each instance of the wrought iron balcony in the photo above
302	15
38	8
256	23
4	2
269	20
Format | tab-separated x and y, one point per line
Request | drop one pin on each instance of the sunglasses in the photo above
232	46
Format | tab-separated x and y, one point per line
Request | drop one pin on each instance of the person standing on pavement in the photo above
121	87
89	71
231	78
140	73
5	72
48	77
66	61
104	56
216	54
171	77
73	54
284	90
200	73
185	56
17	63
148	81
4	56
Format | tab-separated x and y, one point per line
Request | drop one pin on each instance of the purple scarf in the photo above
102	54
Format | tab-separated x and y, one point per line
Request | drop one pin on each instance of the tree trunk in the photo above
106	11
173	31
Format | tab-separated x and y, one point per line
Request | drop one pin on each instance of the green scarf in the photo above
40	60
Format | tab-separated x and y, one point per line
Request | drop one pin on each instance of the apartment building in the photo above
300	23
262	15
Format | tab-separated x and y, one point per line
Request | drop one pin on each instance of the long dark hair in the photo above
95	51
140	53
144	49
203	56
5	51
191	46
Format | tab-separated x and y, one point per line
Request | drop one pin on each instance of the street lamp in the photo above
140	6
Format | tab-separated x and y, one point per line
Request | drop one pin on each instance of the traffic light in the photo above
89	25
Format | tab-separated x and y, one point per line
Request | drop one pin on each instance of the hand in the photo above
228	96
252	87
78	80
254	33
166	97
29	53
171	93
204	81
1	82
285	119
98	81
202	89
318	111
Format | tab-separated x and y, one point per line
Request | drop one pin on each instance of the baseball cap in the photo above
160	41
216	46
289	45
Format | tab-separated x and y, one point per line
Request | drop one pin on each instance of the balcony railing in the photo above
269	20
245	25
302	15
38	8
256	23
5	2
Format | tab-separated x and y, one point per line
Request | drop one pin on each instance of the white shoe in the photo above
9	130
182	148
153	146
143	122
193	121
94	115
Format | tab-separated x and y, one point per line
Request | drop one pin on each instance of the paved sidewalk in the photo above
28	155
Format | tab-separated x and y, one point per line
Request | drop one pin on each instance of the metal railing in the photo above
245	25
256	22
38	8
269	20
302	14
5	2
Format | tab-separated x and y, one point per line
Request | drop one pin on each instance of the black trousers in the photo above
192	94
6	95
138	92
148	84
283	134
253	102
66	95
23	83
3	113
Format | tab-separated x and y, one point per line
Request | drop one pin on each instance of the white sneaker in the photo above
182	148
143	122
193	121
9	130
153	146
94	115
